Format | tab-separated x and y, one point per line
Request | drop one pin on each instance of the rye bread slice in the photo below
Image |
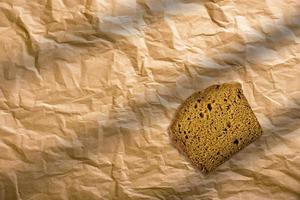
213	124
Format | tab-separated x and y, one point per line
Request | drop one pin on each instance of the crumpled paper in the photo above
89	88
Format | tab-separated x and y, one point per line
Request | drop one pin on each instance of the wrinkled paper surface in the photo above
89	88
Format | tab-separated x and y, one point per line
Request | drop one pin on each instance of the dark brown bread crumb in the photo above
213	124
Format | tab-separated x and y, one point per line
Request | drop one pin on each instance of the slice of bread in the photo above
213	124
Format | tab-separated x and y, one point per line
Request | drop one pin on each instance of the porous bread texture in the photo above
213	124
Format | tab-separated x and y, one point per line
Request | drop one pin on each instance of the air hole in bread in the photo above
209	107
195	105
225	99
186	137
228	124
239	96
198	100
201	115
236	141
188	118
